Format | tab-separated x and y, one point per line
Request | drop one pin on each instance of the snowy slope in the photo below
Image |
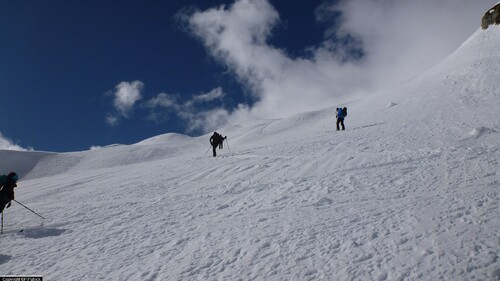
408	192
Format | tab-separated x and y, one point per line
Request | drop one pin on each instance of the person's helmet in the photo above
13	176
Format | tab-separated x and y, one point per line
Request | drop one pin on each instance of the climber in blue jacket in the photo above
341	114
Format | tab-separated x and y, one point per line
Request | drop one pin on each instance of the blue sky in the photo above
76	74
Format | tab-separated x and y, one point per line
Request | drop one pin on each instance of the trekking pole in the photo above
207	151
27	208
1	231
228	146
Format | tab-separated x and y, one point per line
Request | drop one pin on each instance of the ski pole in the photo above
228	145
1	231
207	151
27	208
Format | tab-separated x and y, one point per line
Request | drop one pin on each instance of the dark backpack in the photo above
344	111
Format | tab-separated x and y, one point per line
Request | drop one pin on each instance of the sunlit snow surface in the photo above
408	192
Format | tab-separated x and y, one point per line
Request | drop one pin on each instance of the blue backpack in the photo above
342	113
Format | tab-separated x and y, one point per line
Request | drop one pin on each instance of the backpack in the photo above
3	179
344	111
3	191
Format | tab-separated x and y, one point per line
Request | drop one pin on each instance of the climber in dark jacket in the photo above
7	184
216	140
341	114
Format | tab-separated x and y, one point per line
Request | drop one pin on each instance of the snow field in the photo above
280	212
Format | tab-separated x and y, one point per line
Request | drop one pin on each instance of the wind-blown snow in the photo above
408	192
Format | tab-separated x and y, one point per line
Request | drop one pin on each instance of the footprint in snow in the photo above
223	207
37	233
4	259
323	201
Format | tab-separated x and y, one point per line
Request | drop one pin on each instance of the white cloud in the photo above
216	93
205	121
125	97
399	39
7	144
237	38
404	38
112	120
163	104
128	95
163	100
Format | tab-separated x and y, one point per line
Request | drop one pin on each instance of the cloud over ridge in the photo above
237	37
399	40
7	144
367	46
